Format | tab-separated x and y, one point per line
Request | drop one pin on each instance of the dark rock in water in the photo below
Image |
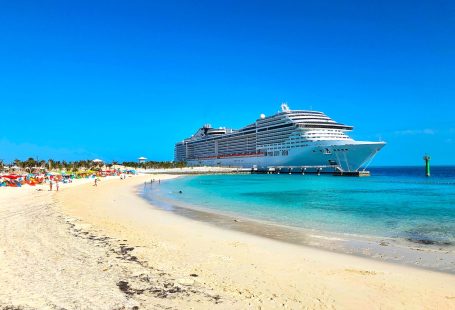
429	235
424	238
383	243
426	241
421	241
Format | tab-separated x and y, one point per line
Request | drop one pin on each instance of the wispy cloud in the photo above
414	132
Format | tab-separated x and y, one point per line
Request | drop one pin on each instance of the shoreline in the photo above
138	255
439	258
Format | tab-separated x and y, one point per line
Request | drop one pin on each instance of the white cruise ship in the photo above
289	139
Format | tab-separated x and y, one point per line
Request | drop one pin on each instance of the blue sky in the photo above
123	79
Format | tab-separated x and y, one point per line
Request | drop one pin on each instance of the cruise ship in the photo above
289	139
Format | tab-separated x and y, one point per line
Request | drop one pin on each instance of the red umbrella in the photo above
11	176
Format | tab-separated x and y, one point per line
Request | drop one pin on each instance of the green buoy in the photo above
427	158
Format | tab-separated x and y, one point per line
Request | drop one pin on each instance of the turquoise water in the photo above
394	202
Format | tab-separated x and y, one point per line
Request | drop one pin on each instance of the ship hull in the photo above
343	155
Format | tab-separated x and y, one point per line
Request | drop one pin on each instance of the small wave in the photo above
327	238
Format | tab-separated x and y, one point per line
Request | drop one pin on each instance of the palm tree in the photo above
18	162
30	163
50	164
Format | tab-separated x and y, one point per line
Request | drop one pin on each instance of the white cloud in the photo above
413	132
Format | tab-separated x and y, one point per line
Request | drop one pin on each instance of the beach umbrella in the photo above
11	176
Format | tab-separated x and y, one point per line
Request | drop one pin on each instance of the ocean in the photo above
396	205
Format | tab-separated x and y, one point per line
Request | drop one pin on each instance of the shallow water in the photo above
399	205
394	202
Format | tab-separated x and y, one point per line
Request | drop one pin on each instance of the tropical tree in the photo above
29	164
50	164
18	162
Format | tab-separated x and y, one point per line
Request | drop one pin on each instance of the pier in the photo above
301	170
313	170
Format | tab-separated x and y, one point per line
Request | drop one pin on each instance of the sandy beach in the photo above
105	247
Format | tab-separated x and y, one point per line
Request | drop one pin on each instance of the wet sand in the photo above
437	257
106	247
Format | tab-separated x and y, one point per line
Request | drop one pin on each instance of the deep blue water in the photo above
398	202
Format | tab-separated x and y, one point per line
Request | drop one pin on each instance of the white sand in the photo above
50	260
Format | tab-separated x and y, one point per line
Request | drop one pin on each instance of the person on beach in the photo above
96	182
56	185
50	184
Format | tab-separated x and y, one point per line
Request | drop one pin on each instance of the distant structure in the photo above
142	160
427	159
97	163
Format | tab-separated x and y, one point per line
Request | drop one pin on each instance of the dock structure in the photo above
352	173
302	170
315	170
